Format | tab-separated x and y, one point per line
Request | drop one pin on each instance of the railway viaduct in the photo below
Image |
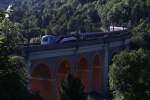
89	60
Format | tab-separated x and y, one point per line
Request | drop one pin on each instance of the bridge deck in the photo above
106	38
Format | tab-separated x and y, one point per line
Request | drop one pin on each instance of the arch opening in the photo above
41	71
97	74
63	70
84	73
40	81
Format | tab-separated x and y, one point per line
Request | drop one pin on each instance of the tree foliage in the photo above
129	75
58	16
72	89
126	11
13	76
133	14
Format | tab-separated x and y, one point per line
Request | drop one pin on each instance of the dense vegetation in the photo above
133	13
13	76
130	70
129	75
73	16
58	16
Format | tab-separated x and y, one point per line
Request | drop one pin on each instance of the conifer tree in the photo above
72	89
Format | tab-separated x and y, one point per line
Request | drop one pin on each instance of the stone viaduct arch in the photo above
97	73
84	72
89	60
40	81
63	70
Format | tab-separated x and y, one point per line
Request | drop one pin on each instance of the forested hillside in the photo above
37	17
74	16
128	74
59	16
133	13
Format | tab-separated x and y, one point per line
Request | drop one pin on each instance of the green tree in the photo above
129	75
141	35
125	11
72	89
13	76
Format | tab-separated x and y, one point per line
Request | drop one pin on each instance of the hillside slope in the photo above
59	16
74	16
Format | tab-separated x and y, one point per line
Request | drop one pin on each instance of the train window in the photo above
68	39
45	39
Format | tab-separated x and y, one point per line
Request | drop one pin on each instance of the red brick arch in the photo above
84	72
40	81
97	73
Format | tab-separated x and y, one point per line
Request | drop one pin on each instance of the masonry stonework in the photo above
89	60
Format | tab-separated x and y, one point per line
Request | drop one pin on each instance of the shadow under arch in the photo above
84	72
63	70
97	73
40	81
40	71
